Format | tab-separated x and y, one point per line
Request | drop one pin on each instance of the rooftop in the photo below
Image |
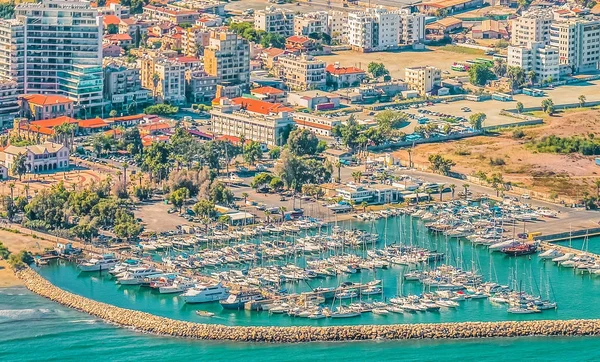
333	69
262	107
44	100
267	90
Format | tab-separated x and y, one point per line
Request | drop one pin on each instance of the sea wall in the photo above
149	323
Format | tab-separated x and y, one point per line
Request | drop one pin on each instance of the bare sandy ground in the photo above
15	243
546	172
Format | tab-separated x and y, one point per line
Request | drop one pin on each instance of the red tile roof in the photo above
313	124
37	129
267	90
118	37
53	122
187	59
262	107
159	126
135	117
44	100
298	39
273	52
111	20
92	123
331	68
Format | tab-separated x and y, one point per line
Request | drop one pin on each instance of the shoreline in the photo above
152	324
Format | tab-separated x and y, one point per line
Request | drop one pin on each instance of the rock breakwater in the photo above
150	323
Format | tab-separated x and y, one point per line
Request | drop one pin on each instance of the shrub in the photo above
497	161
518	134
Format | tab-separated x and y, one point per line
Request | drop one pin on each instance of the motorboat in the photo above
179	285
202	293
550	254
104	262
238	301
203	313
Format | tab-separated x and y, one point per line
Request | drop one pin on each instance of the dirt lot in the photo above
564	174
395	62
15	243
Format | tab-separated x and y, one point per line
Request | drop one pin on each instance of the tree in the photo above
516	77
597	183
548	106
452	188
441	188
276	184
86	230
440	164
390	119
224	219
476	120
155	82
261	180
161	109
377	69
19	166
177	197
500	67
273	40
205	208
219	194
245	196
356	176
252	152
479	74
4	252
582	100
466	188
519	107
274	153
532	76
112	113
132	108
112	29
302	142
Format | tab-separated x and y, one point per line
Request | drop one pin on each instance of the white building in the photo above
47	156
321	126
273	20
310	23
302	72
62	50
423	79
171	86
379	29
537	57
372	194
12	52
578	43
256	120
532	26
9	105
337	25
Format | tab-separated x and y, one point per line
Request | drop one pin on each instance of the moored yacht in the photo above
202	293
104	262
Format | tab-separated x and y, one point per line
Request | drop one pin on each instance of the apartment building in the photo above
256	120
200	87
423	79
194	40
12	52
302	72
175	16
578	44
123	86
62	50
538	57
227	57
378	29
310	23
532	26
337	25
274	20
171	85
321	126
9	105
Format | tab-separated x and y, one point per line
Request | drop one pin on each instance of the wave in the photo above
24	313
85	321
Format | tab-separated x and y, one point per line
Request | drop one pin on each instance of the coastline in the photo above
148	323
8	279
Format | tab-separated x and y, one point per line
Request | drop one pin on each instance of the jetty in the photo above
149	323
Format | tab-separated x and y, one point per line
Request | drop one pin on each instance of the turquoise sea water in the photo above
32	328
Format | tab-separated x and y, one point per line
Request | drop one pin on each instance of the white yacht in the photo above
205	293
103	262
550	254
135	276
179	285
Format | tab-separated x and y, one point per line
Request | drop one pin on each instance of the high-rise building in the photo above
379	29
228	58
122	85
9	106
537	57
61	42
273	20
12	52
337	25
310	23
578	43
532	26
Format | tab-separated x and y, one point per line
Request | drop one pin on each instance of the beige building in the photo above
423	79
302	72
532	26
200	87
12	51
228	58
578	43
122	85
171	86
9	106
194	40
256	120
307	24
321	126
175	16
273	20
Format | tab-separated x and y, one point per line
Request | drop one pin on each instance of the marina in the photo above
392	267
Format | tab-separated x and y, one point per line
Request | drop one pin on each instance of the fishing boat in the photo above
202	293
521	249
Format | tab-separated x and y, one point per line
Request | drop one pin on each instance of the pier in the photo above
148	323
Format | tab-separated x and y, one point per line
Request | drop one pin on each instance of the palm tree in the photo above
26	188
282	210
582	100
338	164
125	166
364	205
267	214
356	176
466	187
155	81
409	157
119	173
452	187
532	75
442	191
597	183
245	196
224	219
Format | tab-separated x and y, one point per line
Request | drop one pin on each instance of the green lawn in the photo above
461	50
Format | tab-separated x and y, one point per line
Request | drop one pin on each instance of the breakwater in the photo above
149	323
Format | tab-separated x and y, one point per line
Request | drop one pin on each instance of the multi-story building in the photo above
200	87
171	84
344	77
337	25
379	29
175	16
532	26
537	57
578	43
194	40
62	50
302	72
40	106
12	52
122	85
47	156
228	58
310	23
256	120
9	105
273	20
321	126
423	79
